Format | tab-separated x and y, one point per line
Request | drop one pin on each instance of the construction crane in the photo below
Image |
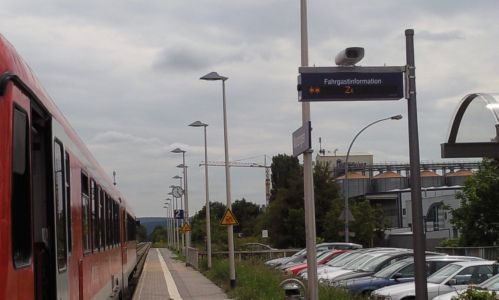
247	165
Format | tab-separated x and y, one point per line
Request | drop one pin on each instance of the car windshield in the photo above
370	265
391	269
442	274
323	255
356	263
491	284
341	259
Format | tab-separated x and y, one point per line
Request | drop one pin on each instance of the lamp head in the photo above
397	117
213	76
181	166
177	177
198	124
178	150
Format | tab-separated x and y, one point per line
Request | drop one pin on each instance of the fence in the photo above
193	255
490	253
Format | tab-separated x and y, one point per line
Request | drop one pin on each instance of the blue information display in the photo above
349	86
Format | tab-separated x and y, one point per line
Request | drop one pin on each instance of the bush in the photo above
254	281
474	294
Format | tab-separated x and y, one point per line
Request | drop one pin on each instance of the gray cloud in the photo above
126	75
442	36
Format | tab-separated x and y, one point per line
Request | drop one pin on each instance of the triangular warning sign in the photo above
228	218
185	228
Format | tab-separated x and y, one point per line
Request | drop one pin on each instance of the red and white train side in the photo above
65	230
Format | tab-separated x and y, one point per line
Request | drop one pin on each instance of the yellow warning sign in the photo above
185	228
228	218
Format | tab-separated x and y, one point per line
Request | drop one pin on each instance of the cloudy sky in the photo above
126	75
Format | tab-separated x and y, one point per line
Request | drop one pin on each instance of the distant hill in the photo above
150	222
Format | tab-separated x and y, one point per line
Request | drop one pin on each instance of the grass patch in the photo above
254	281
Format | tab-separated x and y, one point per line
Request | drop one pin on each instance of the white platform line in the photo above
170	283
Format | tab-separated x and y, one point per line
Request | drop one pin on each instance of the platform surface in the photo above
163	277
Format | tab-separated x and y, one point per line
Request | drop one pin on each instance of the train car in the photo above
66	232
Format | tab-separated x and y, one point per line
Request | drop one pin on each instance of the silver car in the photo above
451	277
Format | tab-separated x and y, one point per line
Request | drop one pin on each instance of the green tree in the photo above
285	215
246	214
325	195
141	233
158	235
218	232
477	218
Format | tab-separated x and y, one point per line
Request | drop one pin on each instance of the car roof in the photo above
474	263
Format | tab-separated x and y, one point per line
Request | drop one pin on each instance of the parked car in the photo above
372	260
399	272
342	260
491	285
454	276
278	261
320	248
322	259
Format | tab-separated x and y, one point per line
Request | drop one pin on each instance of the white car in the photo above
455	276
491	285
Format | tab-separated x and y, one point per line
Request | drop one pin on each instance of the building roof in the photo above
428	173
353	175
459	173
387	174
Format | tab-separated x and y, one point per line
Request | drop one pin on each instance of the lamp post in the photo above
175	227
345	180
207	205
230	232
186	207
167	235
169	221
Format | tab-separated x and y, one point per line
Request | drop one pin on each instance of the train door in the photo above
43	240
49	208
60	219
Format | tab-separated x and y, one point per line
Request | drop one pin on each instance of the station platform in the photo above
163	277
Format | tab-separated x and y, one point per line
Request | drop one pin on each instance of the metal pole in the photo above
207	208
308	179
186	200
230	231
418	237
176	227
345	182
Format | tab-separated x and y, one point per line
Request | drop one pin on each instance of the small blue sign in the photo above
178	214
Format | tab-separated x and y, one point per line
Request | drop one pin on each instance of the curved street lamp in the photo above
207	207
345	180
230	231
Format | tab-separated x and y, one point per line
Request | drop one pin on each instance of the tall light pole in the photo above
186	196
207	205
169	221
308	178
230	232
345	180
175	227
167	235
186	207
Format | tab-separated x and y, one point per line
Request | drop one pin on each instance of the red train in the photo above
65	230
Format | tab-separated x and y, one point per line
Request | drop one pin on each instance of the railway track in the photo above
142	250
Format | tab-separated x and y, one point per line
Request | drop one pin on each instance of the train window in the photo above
60	208
116	223
85	216
130	228
20	202
108	221
94	197
102	220
68	201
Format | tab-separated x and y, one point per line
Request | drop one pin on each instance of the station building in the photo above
386	185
